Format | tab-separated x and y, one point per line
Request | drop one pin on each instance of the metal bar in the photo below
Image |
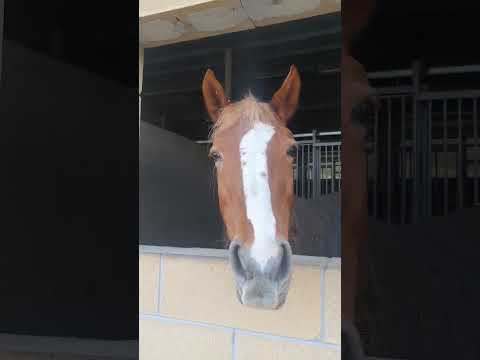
393	90
293	37
445	159
432	71
428	162
454	70
476	164
303	171
321	170
465	141
2	14
332	179
265	75
339	151
389	74
403	171
389	161
417	201
172	91
377	165
228	72
263	56
310	171
440	95
326	133
460	178
296	136
337	185
315	172
155	74
329	143
297	174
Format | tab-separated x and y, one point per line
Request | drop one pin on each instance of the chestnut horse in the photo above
356	97
253	152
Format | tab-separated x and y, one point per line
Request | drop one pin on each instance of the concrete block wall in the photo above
189	310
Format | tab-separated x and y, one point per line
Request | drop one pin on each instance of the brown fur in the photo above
355	90
230	123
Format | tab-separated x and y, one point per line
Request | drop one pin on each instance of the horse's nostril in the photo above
235	261
285	263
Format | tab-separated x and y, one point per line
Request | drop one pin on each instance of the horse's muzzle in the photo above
265	288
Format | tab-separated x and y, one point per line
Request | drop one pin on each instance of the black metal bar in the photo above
432	71
460	178
333	171
403	172
393	90
340	175
419	145
320	169
261	56
297	174
172	91
314	167
303	171
476	163
310	170
292	37
389	161
428	162
377	165
2	6
337	151
442	95
445	159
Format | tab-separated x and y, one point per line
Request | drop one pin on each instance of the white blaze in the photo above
253	159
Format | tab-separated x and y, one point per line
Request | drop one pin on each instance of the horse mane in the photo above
247	111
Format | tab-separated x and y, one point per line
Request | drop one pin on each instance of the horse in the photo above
417	298
356	99
253	152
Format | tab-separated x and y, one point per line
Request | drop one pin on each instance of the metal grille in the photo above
317	169
423	154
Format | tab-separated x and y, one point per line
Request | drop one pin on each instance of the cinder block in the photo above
149	265
202	289
253	347
170	340
333	305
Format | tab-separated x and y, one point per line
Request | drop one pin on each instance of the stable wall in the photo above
188	309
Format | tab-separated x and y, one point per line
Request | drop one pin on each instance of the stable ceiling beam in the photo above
170	21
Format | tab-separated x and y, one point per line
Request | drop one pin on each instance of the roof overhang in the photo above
165	22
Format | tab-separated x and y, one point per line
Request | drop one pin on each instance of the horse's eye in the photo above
292	151
215	156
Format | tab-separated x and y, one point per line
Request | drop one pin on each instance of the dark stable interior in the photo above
69	184
419	295
172	99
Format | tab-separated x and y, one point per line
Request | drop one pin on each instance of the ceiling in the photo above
171	21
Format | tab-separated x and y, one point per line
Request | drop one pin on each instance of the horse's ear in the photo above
284	102
213	95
